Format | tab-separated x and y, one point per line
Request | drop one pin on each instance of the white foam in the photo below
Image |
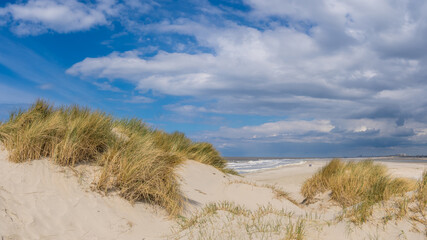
262	164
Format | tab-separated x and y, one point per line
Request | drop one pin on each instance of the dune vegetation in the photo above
420	202
357	186
136	160
226	220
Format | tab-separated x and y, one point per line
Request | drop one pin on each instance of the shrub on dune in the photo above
87	135
141	172
421	193
32	134
136	160
199	151
358	184
420	199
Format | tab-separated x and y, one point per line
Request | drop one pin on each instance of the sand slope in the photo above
39	200
203	184
292	177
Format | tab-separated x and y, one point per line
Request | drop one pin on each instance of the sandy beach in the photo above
292	177
213	120
39	200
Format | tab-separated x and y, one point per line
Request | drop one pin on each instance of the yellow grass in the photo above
225	220
137	161
420	202
359	185
421	192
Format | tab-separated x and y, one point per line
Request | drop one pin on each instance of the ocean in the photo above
252	164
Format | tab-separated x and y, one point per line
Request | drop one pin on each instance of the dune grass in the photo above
421	192
136	160
419	199
359	185
226	220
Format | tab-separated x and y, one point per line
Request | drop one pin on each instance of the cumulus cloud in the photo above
324	137
357	68
38	16
290	131
391	27
275	70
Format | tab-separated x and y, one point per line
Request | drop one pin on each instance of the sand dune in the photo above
39	200
292	177
203	184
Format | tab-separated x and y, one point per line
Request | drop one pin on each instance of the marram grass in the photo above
226	220
359	185
136	160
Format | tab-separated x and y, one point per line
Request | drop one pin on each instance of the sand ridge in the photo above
40	200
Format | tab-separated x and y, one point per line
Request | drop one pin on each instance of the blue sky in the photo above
254	77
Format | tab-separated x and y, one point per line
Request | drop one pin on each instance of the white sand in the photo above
203	184
291	178
39	200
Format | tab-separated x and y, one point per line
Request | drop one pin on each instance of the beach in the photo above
40	200
213	120
291	176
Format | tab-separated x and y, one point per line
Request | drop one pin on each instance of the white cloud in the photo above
357	132
289	131
63	16
392	27
105	86
358	65
139	99
3	16
245	57
259	71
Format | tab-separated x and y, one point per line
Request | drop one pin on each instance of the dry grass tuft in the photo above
420	201
137	161
357	184
140	172
226	220
32	134
87	135
421	192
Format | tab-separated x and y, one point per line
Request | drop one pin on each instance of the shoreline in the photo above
307	161
291	177
386	158
47	199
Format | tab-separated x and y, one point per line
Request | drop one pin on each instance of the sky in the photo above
289	78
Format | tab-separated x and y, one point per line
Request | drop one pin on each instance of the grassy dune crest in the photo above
359	185
136	160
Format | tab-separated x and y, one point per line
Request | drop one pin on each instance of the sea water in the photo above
247	165
252	164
